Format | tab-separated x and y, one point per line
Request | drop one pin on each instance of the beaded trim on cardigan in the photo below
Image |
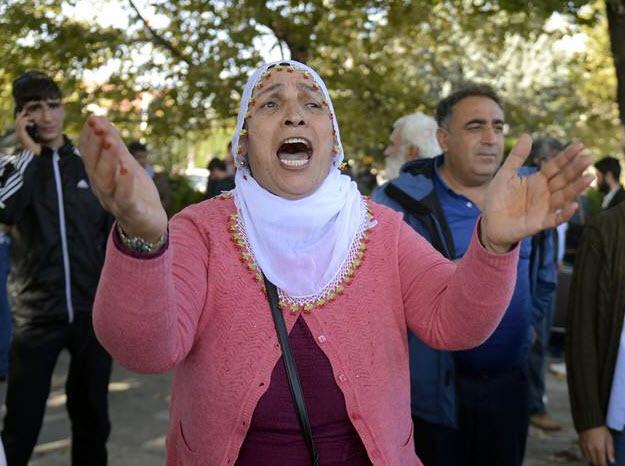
336	287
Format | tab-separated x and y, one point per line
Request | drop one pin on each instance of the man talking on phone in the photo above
59	236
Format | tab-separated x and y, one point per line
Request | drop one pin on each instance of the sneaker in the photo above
545	422
558	369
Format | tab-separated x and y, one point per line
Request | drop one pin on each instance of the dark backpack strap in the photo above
431	216
291	369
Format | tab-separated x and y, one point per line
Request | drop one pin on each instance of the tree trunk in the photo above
616	28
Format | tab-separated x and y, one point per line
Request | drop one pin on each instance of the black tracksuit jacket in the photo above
59	235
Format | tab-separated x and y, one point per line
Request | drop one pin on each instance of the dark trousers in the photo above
494	419
5	308
34	352
436	444
492	424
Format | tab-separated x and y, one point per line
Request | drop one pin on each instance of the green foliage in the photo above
183	193
176	70
594	201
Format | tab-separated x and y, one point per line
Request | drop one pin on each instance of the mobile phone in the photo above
33	132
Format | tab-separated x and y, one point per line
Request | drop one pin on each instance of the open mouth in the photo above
295	152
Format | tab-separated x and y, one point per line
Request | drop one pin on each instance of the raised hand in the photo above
120	183
22	121
517	207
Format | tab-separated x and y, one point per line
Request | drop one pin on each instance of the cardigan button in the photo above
355	416
342	378
322	339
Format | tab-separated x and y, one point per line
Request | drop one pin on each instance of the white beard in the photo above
392	166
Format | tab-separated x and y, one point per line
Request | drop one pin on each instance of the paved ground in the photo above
560	447
139	417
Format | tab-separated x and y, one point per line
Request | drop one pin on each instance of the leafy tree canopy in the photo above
174	69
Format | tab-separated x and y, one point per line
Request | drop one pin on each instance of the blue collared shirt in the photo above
507	347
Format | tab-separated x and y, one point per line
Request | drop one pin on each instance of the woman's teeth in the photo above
294	162
294	152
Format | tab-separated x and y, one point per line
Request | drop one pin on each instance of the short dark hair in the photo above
216	164
136	146
611	165
32	86
542	148
445	107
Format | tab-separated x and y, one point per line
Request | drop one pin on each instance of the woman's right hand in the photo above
123	186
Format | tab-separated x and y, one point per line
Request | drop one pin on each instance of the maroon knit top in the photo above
275	436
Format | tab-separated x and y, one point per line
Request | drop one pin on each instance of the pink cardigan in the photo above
198	310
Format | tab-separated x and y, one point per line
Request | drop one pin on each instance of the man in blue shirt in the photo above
469	408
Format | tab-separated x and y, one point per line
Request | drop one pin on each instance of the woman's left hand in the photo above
517	207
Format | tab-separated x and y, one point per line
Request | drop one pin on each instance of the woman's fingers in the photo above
108	160
559	198
101	158
518	154
90	145
561	215
569	172
553	166
121	184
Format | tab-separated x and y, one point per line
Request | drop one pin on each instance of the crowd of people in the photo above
303	322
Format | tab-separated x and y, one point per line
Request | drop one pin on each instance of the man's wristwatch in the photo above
140	245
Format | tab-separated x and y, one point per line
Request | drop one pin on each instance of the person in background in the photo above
595	345
59	233
543	265
366	175
220	178
608	181
231	166
140	152
570	232
469	408
413	137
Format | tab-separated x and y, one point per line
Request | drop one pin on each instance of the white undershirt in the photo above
3	461
608	197
562	240
616	407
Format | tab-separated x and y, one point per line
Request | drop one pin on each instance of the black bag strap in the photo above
291	369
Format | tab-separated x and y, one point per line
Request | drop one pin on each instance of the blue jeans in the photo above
5	310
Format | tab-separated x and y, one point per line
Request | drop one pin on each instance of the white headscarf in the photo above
300	245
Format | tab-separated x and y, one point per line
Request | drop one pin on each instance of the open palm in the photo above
517	207
120	183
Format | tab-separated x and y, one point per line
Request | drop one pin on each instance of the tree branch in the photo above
283	32
616	30
159	39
